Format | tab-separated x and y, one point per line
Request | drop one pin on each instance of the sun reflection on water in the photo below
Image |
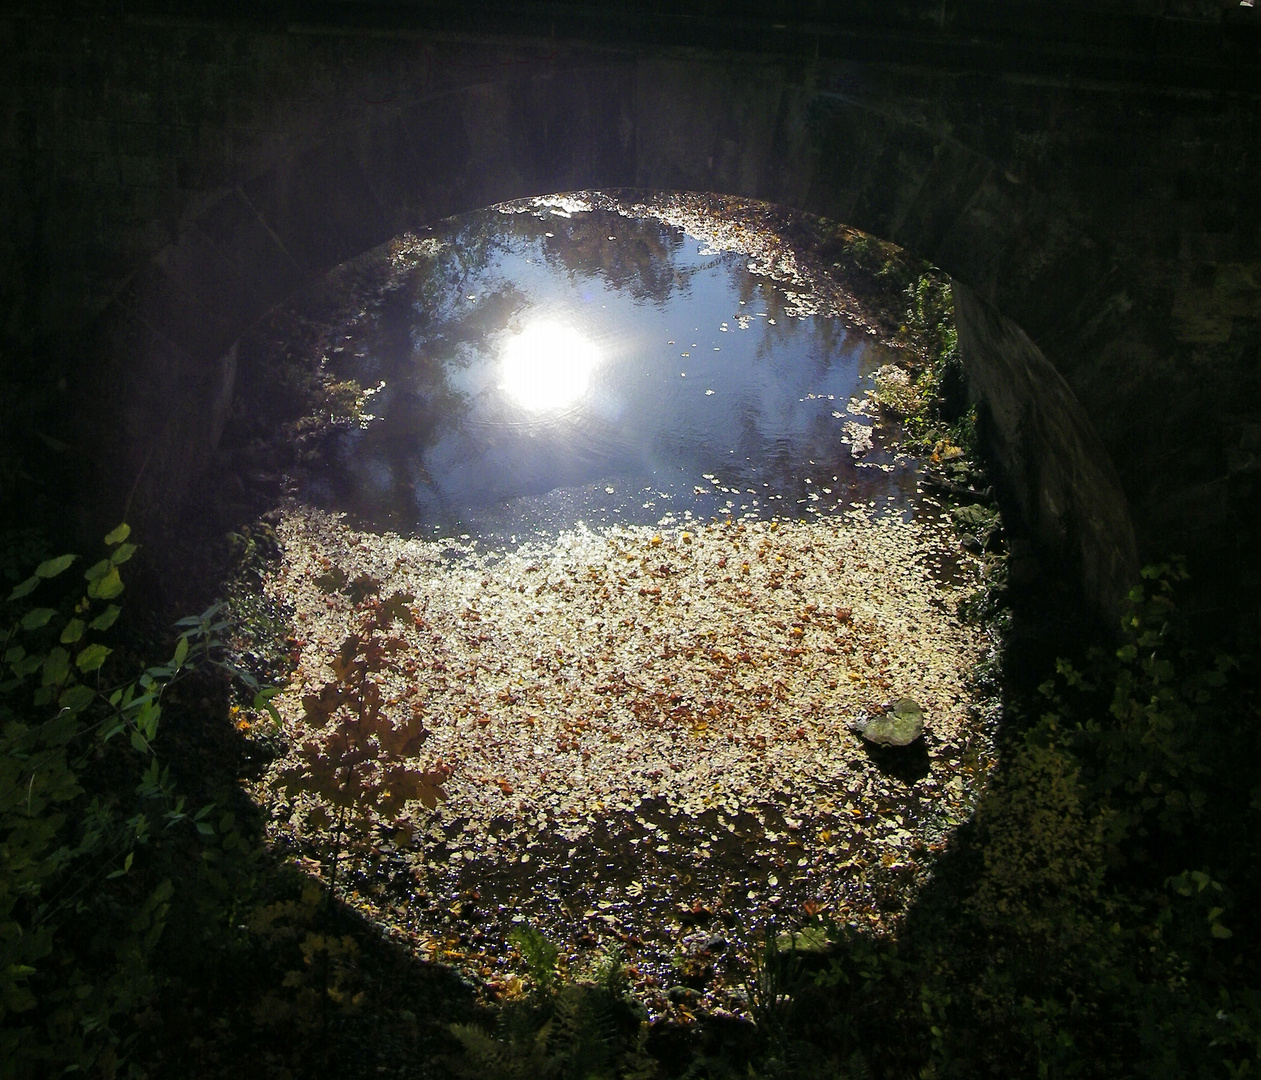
547	366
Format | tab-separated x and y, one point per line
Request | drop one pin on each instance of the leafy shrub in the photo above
85	802
355	760
564	1029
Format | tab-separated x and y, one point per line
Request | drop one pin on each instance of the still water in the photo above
537	365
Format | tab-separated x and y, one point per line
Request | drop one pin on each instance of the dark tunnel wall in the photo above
172	180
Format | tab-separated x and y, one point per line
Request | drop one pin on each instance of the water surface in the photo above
536	366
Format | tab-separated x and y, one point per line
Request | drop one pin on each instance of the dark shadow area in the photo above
909	764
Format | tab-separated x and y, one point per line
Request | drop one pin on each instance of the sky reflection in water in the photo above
683	388
547	366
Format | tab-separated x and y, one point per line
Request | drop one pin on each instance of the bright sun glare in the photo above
547	366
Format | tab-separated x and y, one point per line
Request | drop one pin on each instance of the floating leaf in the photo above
345	658
320	706
395	608
332	579
403	741
362	587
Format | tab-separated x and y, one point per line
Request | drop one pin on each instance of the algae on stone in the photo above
900	726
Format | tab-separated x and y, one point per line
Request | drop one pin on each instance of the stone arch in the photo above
648	122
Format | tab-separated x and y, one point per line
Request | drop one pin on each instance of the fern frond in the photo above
485	1053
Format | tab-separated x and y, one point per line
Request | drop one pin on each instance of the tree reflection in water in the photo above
710	397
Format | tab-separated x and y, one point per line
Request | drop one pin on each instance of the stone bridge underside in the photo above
173	181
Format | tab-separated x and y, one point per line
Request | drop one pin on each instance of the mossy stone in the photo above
900	726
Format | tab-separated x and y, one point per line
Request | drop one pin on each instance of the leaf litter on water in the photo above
648	716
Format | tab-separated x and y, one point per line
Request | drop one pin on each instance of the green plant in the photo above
83	797
774	980
1145	719
564	1029
357	760
930	325
540	957
320	968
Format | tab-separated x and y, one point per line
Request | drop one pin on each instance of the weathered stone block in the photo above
251	249
319	205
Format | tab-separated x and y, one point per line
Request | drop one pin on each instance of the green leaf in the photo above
56	666
122	553
110	585
37	617
1220	931
91	658
52	567
72	632
18	998
181	653
147	720
118	535
126	865
27	665
106	618
96	571
77	697
138	743
24	589
263	700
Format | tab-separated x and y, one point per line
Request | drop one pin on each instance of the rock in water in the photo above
900	726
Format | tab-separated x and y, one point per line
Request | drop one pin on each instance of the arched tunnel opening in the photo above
655	526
